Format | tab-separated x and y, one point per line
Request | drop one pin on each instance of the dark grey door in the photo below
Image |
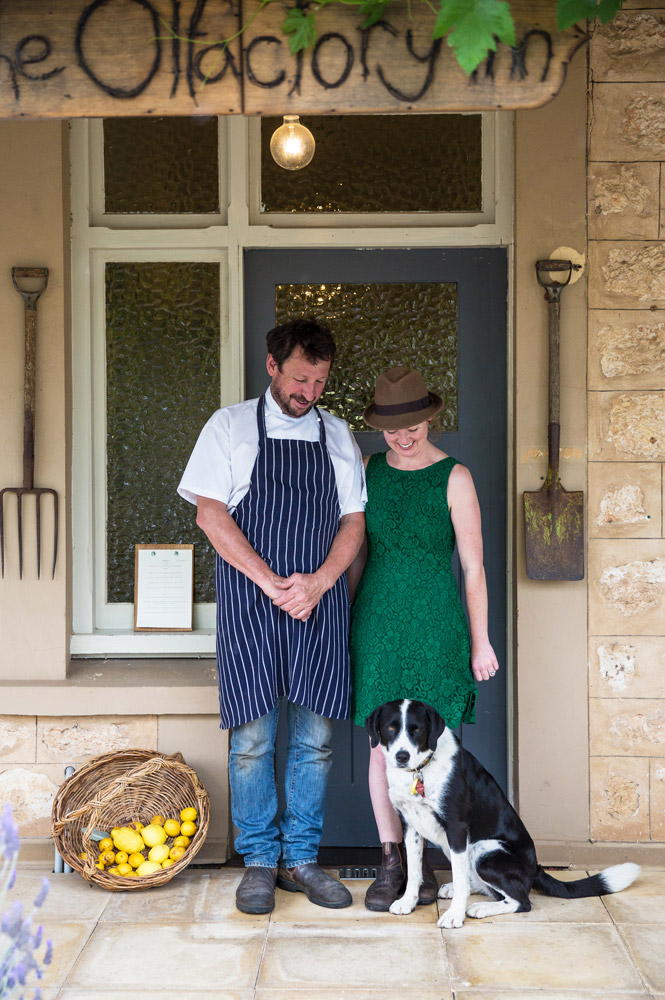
479	280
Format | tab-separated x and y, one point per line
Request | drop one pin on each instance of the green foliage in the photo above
473	27
300	26
569	12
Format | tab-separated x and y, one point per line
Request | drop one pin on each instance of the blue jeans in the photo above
295	840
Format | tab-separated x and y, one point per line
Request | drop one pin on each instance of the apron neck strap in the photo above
261	421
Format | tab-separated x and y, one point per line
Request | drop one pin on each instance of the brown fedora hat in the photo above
401	399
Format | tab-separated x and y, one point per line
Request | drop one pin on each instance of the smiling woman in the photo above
409	636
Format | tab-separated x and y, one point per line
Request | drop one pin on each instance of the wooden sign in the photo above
396	66
92	58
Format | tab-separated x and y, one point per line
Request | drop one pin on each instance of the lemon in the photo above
136	825
168	863
107	857
153	835
124	869
128	840
148	868
176	852
158	853
172	827
106	844
100	866
157	820
131	874
82	855
181	842
189	813
135	859
113	871
121	857
188	829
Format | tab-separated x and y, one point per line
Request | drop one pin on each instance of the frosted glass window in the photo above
162	384
161	166
379	163
377	326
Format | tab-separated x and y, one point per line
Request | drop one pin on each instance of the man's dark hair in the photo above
311	335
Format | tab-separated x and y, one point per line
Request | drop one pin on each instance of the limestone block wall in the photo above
34	752
626	413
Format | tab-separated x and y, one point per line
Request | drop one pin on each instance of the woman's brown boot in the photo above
390	879
429	889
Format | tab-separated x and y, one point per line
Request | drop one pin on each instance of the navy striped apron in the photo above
290	516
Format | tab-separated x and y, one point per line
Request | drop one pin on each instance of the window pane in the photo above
161	166
377	326
380	163
162	384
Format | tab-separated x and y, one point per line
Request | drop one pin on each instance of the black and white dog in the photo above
443	794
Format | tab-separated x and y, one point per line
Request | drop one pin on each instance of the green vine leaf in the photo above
569	12
300	26
474	26
372	11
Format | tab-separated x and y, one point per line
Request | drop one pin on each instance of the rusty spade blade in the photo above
37	277
554	517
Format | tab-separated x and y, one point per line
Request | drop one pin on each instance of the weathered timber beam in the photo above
94	58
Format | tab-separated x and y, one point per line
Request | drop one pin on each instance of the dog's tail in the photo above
610	880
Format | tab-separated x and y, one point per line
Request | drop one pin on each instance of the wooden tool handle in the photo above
29	394
554	307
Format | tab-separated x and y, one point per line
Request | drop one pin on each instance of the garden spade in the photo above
554	517
37	279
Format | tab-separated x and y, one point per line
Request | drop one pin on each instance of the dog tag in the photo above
420	788
413	790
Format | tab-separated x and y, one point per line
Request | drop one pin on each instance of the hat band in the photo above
394	409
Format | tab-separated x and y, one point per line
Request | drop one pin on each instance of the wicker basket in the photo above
119	788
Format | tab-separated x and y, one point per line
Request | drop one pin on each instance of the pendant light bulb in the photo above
292	145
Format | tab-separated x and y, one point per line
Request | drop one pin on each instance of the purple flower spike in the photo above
9	841
37	939
48	957
12	880
43	893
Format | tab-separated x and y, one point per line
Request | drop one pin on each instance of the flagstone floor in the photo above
187	941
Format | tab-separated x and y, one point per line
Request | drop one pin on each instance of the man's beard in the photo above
287	406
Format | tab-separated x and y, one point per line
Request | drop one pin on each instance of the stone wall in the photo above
34	752
626	213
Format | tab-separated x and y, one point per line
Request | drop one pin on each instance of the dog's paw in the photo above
451	918
480	910
446	890
402	906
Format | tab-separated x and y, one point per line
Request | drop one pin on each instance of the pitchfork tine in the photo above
20	537
2	532
39	532
55	540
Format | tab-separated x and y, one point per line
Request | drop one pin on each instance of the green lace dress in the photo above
409	634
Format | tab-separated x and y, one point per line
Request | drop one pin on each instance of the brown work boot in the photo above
318	886
256	892
390	880
429	889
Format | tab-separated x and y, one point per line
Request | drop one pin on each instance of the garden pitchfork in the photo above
39	276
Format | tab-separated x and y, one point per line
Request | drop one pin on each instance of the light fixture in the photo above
292	145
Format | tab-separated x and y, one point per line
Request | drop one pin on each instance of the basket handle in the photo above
118	785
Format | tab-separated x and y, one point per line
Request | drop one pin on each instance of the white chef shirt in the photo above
220	466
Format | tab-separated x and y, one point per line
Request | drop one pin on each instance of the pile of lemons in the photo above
136	850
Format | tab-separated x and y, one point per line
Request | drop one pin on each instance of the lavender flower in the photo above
19	939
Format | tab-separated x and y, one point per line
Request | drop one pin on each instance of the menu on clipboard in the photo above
163	588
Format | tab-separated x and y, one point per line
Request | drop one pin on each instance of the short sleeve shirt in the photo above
221	464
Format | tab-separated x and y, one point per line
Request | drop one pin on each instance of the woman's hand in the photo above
484	663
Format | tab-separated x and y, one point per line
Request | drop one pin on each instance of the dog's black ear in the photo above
435	726
373	728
